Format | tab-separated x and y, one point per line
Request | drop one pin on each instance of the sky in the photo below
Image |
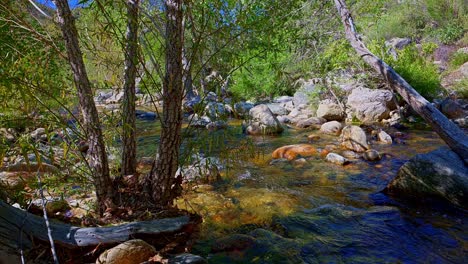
72	3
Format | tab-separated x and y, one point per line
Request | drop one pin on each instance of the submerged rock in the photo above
372	155
290	152
187	258
235	242
133	251
336	159
440	173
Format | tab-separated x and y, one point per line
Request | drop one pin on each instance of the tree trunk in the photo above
18	229
453	136
97	157
131	60
165	187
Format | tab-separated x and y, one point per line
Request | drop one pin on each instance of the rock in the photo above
211	97
336	159
283	119
398	43
300	162
354	138
440	173
191	105
301	96
371	105
315	122
242	109
143	115
235	242
452	109
456	77
384	138
330	110
313	137
56	206
7	134
202	170
31	167
277	109
283	99
263	121
115	98
103	96
39	134
290	152
350	154
462	122
216	110
332	128
133	251
217	125
200	122
187	258
371	155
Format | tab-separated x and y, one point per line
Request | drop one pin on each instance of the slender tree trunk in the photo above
165	187
453	136
97	157
131	60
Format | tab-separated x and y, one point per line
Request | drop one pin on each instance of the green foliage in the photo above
460	88
450	33
413	66
458	59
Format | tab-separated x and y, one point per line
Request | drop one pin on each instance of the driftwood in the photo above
453	136
17	227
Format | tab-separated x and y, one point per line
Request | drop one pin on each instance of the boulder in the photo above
143	115
283	119
283	99
330	110
191	105
133	251
301	96
371	106
290	152
216	110
332	128
440	173
452	109
336	159
242	109
39	134
315	122
262	121
277	109
202	170
8	134
200	122
354	138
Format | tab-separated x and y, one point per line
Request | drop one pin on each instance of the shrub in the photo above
458	59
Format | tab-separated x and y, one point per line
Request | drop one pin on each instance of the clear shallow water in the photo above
316	212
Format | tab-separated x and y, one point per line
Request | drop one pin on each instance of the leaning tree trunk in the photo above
165	187
447	130
129	127
97	157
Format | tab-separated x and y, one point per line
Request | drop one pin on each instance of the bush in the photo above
450	33
458	59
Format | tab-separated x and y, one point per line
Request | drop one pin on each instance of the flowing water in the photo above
315	212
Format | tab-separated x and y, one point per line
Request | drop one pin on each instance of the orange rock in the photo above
324	153
290	152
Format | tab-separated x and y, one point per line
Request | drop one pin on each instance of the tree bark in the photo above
128	118
97	157
17	227
165	187
453	136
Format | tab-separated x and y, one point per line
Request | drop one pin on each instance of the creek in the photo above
313	212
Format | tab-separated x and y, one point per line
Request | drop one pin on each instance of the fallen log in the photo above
17	227
453	136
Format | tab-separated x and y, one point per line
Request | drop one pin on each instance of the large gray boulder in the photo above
262	121
440	173
277	109
371	106
301	96
241	109
330	110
